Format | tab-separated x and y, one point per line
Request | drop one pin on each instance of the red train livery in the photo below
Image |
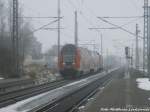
75	61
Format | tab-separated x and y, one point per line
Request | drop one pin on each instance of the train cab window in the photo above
69	55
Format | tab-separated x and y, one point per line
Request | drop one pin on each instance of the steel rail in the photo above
7	85
11	97
69	100
24	93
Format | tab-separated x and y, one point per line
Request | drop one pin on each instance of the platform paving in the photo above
121	95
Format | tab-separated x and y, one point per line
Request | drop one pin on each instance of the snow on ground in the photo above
30	103
143	83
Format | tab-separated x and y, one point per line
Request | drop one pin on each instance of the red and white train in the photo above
75	61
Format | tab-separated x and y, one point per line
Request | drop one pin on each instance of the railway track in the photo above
16	90
83	102
8	85
24	93
71	100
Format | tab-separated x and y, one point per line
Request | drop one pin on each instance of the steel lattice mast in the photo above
145	42
15	39
148	43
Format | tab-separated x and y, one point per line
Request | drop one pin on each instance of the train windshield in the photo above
69	55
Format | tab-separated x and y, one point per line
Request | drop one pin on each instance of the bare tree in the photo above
26	40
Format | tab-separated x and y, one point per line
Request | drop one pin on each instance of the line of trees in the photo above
27	41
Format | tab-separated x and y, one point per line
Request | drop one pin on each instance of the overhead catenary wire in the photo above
52	28
130	22
40	28
121	17
83	15
109	28
86	19
30	17
121	28
114	28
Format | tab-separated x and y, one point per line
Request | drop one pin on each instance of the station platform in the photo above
122	94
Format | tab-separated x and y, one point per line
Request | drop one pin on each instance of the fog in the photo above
88	11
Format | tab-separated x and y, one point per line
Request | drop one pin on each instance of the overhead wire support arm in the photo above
28	17
42	27
121	28
109	28
52	28
117	17
114	28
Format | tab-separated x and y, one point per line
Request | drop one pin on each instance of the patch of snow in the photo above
30	103
143	83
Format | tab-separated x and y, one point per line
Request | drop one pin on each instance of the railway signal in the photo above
128	53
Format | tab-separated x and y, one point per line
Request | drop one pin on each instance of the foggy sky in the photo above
88	10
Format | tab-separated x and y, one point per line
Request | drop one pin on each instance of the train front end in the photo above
69	62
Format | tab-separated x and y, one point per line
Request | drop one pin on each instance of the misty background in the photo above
88	11
43	43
